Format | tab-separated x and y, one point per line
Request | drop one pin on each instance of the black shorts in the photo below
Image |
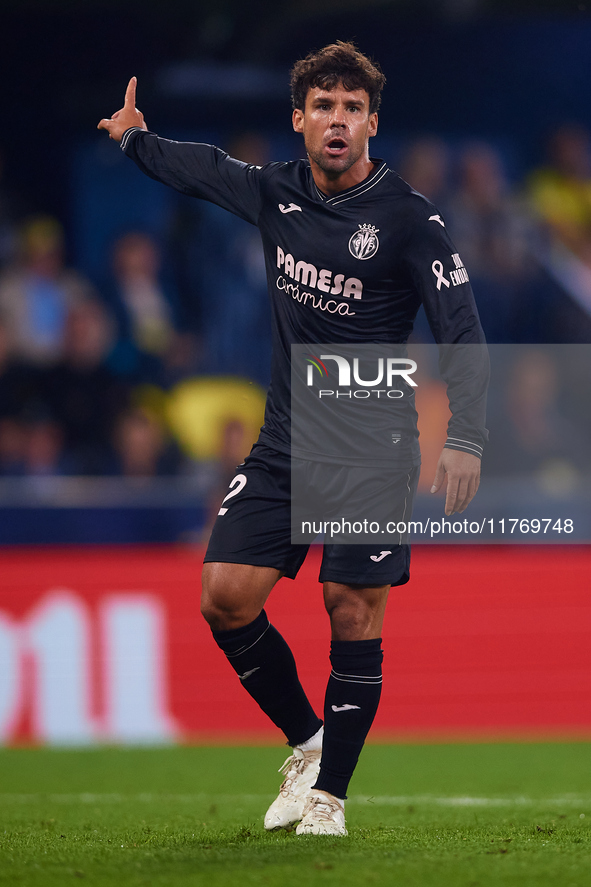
253	526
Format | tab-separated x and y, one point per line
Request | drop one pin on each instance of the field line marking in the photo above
465	801
378	800
118	798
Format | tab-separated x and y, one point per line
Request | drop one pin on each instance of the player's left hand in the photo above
463	478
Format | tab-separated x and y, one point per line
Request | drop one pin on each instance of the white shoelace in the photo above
292	768
323	810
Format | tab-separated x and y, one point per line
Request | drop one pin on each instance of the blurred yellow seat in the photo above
199	410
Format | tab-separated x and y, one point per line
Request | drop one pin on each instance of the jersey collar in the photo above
356	190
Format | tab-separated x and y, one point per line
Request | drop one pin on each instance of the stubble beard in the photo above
333	167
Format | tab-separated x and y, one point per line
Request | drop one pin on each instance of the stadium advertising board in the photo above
107	645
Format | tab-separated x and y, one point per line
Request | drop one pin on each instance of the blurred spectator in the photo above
19	382
8	228
44	454
141	449
493	227
81	392
182	359
537	434
561	191
143	307
425	166
37	292
32	445
13	438
225	266
561	195
496	237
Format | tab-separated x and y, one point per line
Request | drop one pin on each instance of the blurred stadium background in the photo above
134	357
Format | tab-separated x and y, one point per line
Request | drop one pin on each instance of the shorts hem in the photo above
249	561
368	581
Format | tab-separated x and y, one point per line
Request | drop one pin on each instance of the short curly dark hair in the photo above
336	63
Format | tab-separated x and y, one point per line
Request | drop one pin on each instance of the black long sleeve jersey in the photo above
352	269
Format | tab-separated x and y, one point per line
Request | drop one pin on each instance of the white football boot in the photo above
301	771
323	815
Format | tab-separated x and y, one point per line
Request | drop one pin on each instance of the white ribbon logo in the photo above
437	269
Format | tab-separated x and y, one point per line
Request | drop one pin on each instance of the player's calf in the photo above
350	705
265	665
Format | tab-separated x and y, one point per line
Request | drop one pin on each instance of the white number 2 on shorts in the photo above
236	486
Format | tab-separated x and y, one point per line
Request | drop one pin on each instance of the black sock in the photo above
266	667
350	705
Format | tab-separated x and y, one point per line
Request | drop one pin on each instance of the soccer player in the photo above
351	252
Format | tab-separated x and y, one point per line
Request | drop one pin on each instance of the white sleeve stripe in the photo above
454	446
126	135
461	440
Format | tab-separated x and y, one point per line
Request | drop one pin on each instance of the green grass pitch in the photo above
465	815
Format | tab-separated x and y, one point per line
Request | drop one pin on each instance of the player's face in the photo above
336	125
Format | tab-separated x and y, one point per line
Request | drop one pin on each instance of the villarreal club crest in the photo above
364	243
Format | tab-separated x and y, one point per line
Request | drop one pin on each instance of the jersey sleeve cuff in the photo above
126	137
466	446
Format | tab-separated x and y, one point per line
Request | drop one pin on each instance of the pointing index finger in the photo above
130	93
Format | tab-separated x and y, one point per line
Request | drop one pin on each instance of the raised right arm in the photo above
192	168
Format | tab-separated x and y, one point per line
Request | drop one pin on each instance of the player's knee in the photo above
349	616
233	595
209	611
355	614
220	619
216	601
350	623
219	615
222	612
